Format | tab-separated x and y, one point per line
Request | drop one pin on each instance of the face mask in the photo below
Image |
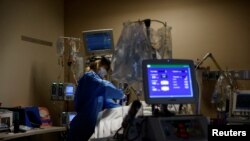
102	72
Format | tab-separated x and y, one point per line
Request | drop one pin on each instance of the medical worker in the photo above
93	94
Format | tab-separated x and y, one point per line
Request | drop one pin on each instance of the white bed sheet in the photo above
110	120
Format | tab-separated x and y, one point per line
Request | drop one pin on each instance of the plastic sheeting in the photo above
134	46
161	41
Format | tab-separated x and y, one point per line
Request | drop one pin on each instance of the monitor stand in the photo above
162	111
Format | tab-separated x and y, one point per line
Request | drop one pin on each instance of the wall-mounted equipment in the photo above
98	41
67	117
241	105
62	91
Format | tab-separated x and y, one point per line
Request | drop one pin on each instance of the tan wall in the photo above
27	69
220	27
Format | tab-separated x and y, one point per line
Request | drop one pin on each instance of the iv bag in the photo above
165	42
60	46
161	41
77	66
221	93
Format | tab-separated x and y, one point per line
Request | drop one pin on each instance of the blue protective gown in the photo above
91	96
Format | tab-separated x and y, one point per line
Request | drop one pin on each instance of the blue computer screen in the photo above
71	116
98	40
69	90
169	80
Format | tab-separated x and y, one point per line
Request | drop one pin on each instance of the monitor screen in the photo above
69	89
98	41
169	81
71	116
241	100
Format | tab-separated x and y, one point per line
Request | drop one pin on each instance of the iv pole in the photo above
209	55
225	75
164	107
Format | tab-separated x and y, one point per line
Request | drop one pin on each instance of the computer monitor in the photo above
98	41
169	81
69	91
240	103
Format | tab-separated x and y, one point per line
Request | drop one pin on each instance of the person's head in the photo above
101	66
